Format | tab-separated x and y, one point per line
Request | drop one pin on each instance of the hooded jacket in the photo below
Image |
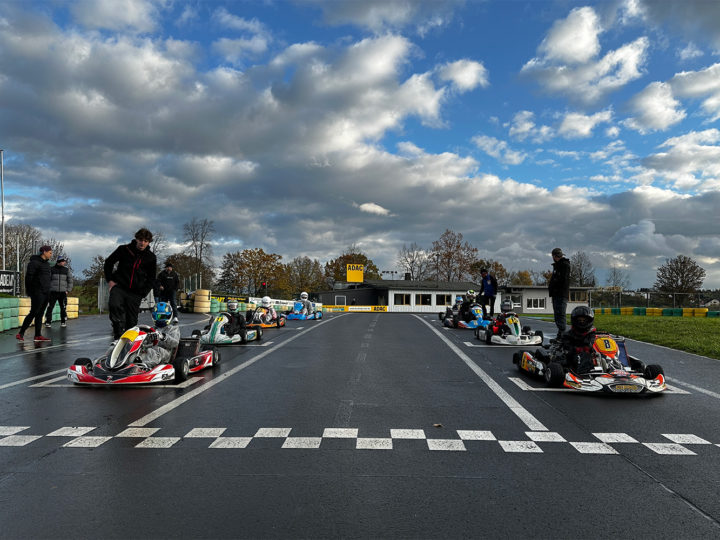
60	279
37	276
559	284
135	271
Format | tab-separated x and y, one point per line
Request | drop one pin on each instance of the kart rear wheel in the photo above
182	369
84	362
259	333
554	374
243	336
653	370
488	335
216	356
516	357
196	333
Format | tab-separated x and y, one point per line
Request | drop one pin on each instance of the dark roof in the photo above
428	284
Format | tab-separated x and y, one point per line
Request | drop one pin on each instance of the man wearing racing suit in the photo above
464	312
577	342
130	281
307	304
168	337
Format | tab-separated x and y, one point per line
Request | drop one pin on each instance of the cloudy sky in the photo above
302	127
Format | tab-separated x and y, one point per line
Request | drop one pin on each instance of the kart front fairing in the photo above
507	330
616	382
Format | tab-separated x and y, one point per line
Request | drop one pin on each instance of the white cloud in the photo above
578	126
523	127
498	149
236	50
372	208
573	40
655	109
689	52
464	74
692	161
133	15
698	84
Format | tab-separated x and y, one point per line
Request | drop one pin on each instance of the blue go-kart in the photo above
296	314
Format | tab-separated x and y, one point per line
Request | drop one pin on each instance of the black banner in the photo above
8	281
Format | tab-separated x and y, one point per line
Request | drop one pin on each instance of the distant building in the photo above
399	295
535	299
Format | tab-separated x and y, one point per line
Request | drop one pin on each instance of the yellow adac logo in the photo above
355	273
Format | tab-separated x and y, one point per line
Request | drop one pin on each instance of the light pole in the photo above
391	272
2	194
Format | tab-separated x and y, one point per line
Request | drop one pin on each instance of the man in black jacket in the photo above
130	281
488	292
61	283
37	287
167	286
559	288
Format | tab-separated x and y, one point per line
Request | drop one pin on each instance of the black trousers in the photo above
61	298
485	300
169	297
124	310
38	302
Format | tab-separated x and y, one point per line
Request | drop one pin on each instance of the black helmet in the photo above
582	318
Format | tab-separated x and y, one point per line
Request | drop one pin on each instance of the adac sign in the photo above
355	273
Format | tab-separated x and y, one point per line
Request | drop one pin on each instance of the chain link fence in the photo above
654	299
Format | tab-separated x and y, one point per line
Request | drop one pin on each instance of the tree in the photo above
304	274
159	245
245	272
522	277
493	267
681	275
617	277
452	257
337	268
541	278
186	266
198	233
93	274
582	273
21	241
414	261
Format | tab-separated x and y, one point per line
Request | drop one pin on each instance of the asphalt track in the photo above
356	426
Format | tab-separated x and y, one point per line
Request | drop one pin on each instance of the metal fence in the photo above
599	298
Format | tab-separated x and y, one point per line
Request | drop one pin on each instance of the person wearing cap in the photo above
488	292
559	288
130	274
61	283
37	287
167	284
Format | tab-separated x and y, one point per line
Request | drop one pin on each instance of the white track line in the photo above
8	385
523	414
145	420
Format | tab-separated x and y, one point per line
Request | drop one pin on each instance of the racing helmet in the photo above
162	314
303	295
265	302
232	306
471	295
458	299
505	306
582	318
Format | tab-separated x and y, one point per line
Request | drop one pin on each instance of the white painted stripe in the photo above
302	442
667	449
217	380
407	434
340	433
593	448
8	385
86	442
273	433
545	436
205	432
615	437
231	442
447	445
685	438
157	442
12	430
70	431
521	446
19	440
374	444
523	414
49	381
470	435
138	432
697	388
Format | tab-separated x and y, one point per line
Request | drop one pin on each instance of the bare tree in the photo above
414	261
617	277
198	233
452	257
681	274
159	245
582	273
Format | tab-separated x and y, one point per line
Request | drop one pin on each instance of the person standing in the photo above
61	283
559	288
489	292
168	282
130	274
37	287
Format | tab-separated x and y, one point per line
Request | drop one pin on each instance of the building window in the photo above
535	303
443	299
578	296
423	300
402	299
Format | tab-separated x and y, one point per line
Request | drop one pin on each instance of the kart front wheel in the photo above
653	370
182	369
196	333
540	334
84	362
488	336
554	374
216	356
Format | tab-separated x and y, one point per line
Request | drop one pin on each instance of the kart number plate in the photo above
627	388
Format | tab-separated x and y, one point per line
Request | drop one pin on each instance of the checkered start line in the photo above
11	436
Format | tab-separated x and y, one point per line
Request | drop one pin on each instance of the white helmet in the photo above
265	301
303	295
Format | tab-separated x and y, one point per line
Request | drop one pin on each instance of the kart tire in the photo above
636	365
488	336
516	357
87	362
243	336
554	374
216	356
259	333
653	370
539	333
196	333
440	315
182	369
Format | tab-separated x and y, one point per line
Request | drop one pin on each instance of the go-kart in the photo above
296	313
216	333
607	367
257	318
122	364
505	329
452	319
